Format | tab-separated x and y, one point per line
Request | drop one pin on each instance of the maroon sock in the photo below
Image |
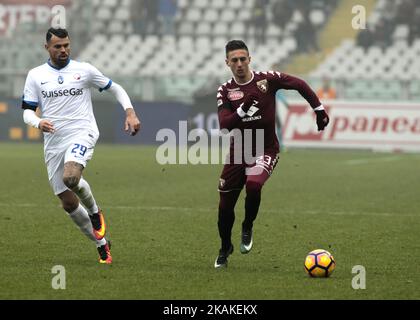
252	203
227	216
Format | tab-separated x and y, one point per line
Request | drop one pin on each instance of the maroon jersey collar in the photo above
248	82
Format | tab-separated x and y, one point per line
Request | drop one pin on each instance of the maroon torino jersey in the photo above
262	114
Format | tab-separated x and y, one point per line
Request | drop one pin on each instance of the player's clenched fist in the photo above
322	119
249	100
46	126
132	123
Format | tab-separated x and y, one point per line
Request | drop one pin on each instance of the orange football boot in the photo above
105	253
98	224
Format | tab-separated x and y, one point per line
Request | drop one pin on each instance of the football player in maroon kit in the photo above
247	102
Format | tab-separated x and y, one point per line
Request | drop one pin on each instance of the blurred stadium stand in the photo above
127	41
383	61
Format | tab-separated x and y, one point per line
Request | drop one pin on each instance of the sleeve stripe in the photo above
29	105
107	86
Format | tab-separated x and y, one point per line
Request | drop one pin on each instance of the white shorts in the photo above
77	148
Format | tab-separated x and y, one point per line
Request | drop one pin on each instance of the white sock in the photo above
84	193
100	243
81	218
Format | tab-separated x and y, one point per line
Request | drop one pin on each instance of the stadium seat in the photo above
220	29
203	28
125	3
228	15
219	4
235	4
317	17
193	15
116	27
401	32
210	15
202	4
273	31
290	44
203	43
219	42
238	29
186	28
104	13
182	3
122	13
244	15
110	3
185	42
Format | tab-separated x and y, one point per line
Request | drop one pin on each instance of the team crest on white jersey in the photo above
263	85
60	79
235	95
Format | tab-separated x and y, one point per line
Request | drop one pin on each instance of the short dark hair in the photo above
61	33
235	45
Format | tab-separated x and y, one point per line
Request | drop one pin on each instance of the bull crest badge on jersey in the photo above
263	85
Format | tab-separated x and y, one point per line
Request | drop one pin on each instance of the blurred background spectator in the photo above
138	13
282	12
167	12
365	37
326	92
259	20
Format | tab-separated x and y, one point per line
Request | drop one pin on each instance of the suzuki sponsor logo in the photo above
251	112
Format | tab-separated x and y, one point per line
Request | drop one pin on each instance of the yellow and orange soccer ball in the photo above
319	263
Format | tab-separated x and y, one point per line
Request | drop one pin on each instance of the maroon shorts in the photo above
234	176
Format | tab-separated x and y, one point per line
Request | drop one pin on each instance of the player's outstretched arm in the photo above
294	83
132	122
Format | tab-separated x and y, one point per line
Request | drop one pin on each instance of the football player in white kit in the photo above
61	89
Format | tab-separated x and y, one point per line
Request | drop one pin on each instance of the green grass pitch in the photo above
363	207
